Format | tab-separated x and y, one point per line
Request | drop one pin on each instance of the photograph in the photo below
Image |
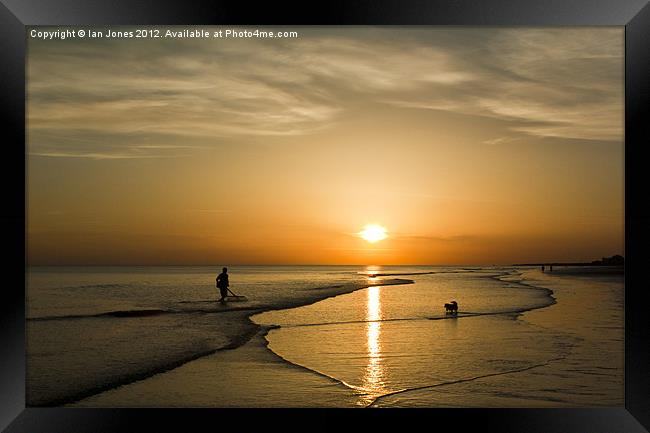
365	216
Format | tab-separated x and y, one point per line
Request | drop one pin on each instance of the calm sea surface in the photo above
111	336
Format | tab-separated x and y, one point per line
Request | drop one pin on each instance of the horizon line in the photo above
530	263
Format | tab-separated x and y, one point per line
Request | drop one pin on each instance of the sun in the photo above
373	233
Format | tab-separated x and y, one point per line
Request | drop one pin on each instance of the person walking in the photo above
222	284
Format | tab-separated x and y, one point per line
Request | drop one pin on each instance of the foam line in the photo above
469	379
255	328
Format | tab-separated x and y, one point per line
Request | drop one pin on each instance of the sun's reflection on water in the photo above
373	379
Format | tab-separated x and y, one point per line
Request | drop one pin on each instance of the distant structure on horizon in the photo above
616	260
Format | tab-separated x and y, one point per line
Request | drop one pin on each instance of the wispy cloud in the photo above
135	99
218	211
564	83
453	238
95	155
500	140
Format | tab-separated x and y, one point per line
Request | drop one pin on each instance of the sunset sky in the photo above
468	145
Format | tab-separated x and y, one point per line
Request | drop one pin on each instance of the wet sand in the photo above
249	376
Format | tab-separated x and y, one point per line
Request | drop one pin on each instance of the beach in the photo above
286	166
331	337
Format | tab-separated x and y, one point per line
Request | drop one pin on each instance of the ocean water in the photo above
314	336
90	329
514	343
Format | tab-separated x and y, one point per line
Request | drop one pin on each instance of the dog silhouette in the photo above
452	307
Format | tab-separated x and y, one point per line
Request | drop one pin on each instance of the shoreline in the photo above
548	292
203	383
515	313
249	330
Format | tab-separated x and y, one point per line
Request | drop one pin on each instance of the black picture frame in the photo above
15	15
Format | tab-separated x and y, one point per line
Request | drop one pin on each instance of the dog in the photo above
452	307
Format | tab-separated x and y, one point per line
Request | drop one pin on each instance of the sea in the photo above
325	336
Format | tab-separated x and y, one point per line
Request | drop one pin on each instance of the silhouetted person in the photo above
550	268
222	284
542	268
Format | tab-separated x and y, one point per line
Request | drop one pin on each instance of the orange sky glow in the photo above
468	145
